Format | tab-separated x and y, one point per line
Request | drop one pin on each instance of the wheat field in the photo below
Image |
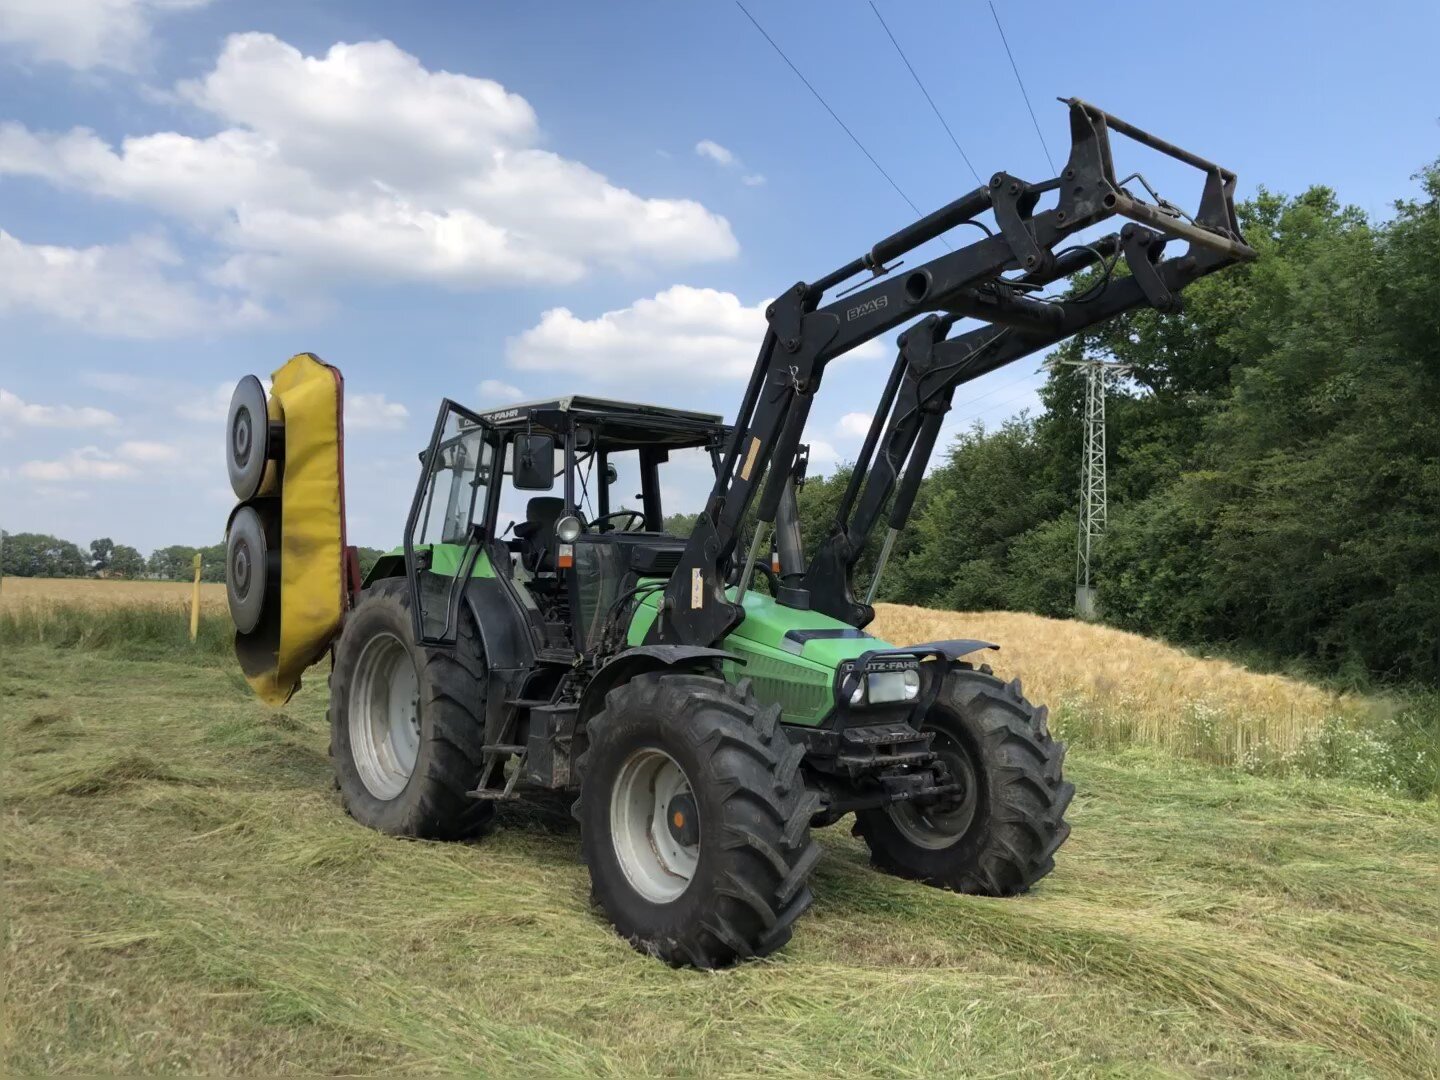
1111	688
93	592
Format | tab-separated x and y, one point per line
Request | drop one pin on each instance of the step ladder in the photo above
495	753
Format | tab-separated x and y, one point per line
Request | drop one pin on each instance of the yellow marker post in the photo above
195	602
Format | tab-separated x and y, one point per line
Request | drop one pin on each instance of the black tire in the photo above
451	684
1006	833
755	853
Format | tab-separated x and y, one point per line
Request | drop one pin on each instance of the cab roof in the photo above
618	424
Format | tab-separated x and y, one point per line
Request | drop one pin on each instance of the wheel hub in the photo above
684	819
939	823
655	825
240	569
242	436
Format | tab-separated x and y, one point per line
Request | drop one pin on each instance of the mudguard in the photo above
642	658
307	396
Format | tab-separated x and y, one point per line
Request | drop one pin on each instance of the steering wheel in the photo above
633	517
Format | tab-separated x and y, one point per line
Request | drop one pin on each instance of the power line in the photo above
1015	68
928	98
981	414
899	191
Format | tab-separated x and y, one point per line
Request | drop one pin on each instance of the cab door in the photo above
450	520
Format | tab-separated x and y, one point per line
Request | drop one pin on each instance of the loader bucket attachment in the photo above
288	572
1213	227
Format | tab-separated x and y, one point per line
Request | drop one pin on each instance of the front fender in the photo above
644	658
954	648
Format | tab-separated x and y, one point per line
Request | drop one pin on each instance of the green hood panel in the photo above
798	675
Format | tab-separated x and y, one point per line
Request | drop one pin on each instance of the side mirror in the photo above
611	473
534	468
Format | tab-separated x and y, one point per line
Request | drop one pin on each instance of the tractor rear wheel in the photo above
407	722
1000	835
695	820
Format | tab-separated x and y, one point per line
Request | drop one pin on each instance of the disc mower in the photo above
708	701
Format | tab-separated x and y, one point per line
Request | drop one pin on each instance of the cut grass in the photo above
184	894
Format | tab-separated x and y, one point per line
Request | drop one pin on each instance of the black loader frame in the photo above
804	337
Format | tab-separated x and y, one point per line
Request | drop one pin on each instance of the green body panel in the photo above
802	682
801	678
444	560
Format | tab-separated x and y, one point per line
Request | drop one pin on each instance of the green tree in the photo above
126	561
41	555
100	552
212	563
679	524
171	563
367	556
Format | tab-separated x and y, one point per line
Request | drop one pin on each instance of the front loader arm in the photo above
803	337
932	369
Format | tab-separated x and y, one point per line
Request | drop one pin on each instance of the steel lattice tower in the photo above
1092	478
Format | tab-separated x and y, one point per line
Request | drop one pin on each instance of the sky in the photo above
505	201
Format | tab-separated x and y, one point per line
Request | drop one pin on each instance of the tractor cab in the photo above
564	503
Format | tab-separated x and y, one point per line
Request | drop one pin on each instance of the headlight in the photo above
568	529
888	686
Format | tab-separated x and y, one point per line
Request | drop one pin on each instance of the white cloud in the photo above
708	148
147	453
727	159
372	412
854	424
209	408
495	390
122	290
85	33
823	455
13	410
681	334
362	163
85	463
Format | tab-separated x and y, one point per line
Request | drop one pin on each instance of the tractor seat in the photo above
537	533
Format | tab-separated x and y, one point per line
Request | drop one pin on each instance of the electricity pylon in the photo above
1098	374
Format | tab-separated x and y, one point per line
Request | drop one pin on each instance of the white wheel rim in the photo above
384	718
657	865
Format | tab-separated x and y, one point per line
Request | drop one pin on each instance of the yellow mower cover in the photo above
307	396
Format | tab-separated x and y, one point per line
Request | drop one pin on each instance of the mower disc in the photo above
247	438
248	569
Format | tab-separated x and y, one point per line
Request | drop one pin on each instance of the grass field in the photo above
184	894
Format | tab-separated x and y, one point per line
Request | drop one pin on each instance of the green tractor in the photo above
703	724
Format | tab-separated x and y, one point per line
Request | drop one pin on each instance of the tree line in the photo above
41	555
1274	458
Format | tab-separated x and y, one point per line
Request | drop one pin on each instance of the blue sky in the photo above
491	200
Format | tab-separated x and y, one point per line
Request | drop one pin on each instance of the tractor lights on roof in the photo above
567	529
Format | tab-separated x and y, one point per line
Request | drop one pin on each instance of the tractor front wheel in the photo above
694	819
1000	834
